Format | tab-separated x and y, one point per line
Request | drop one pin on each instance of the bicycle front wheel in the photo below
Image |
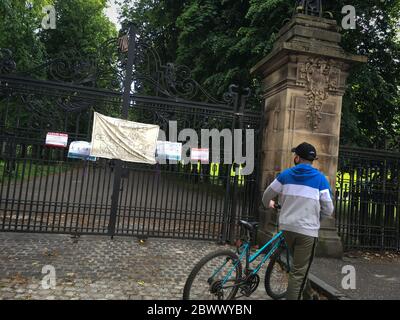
215	277
277	274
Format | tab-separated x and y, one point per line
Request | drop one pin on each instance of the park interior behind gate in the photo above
42	190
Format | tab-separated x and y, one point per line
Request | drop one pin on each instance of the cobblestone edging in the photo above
96	267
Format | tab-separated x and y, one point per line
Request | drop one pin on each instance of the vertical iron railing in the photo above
368	199
126	101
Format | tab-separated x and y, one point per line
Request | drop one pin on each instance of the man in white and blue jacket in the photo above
305	197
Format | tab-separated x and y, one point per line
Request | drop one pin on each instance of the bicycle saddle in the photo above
248	225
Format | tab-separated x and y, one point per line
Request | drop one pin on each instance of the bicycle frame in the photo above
275	242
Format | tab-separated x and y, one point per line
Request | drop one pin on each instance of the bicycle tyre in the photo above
277	262
197	268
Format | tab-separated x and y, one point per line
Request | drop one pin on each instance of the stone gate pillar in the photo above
303	82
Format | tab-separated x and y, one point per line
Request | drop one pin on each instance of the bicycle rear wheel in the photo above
277	274
215	277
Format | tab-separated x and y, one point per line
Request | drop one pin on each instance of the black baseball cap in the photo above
306	151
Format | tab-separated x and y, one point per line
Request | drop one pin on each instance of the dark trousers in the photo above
302	250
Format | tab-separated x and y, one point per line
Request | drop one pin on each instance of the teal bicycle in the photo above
220	275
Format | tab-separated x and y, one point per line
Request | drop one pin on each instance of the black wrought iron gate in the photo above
42	190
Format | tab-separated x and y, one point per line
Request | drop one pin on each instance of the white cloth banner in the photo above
130	141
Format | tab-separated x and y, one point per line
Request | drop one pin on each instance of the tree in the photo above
371	105
19	31
81	25
81	29
155	21
222	39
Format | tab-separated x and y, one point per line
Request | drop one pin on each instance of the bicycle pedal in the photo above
245	293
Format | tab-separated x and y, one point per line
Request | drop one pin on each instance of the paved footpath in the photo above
377	274
96	267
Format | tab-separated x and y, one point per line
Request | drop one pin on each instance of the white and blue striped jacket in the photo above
304	195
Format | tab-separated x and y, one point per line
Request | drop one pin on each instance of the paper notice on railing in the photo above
200	155
169	150
56	139
80	150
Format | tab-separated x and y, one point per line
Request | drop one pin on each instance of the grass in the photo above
28	169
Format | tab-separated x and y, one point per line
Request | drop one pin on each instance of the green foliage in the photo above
81	25
155	20
220	40
371	103
81	29
19	26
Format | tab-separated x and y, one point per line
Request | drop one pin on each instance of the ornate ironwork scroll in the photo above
170	80
106	67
